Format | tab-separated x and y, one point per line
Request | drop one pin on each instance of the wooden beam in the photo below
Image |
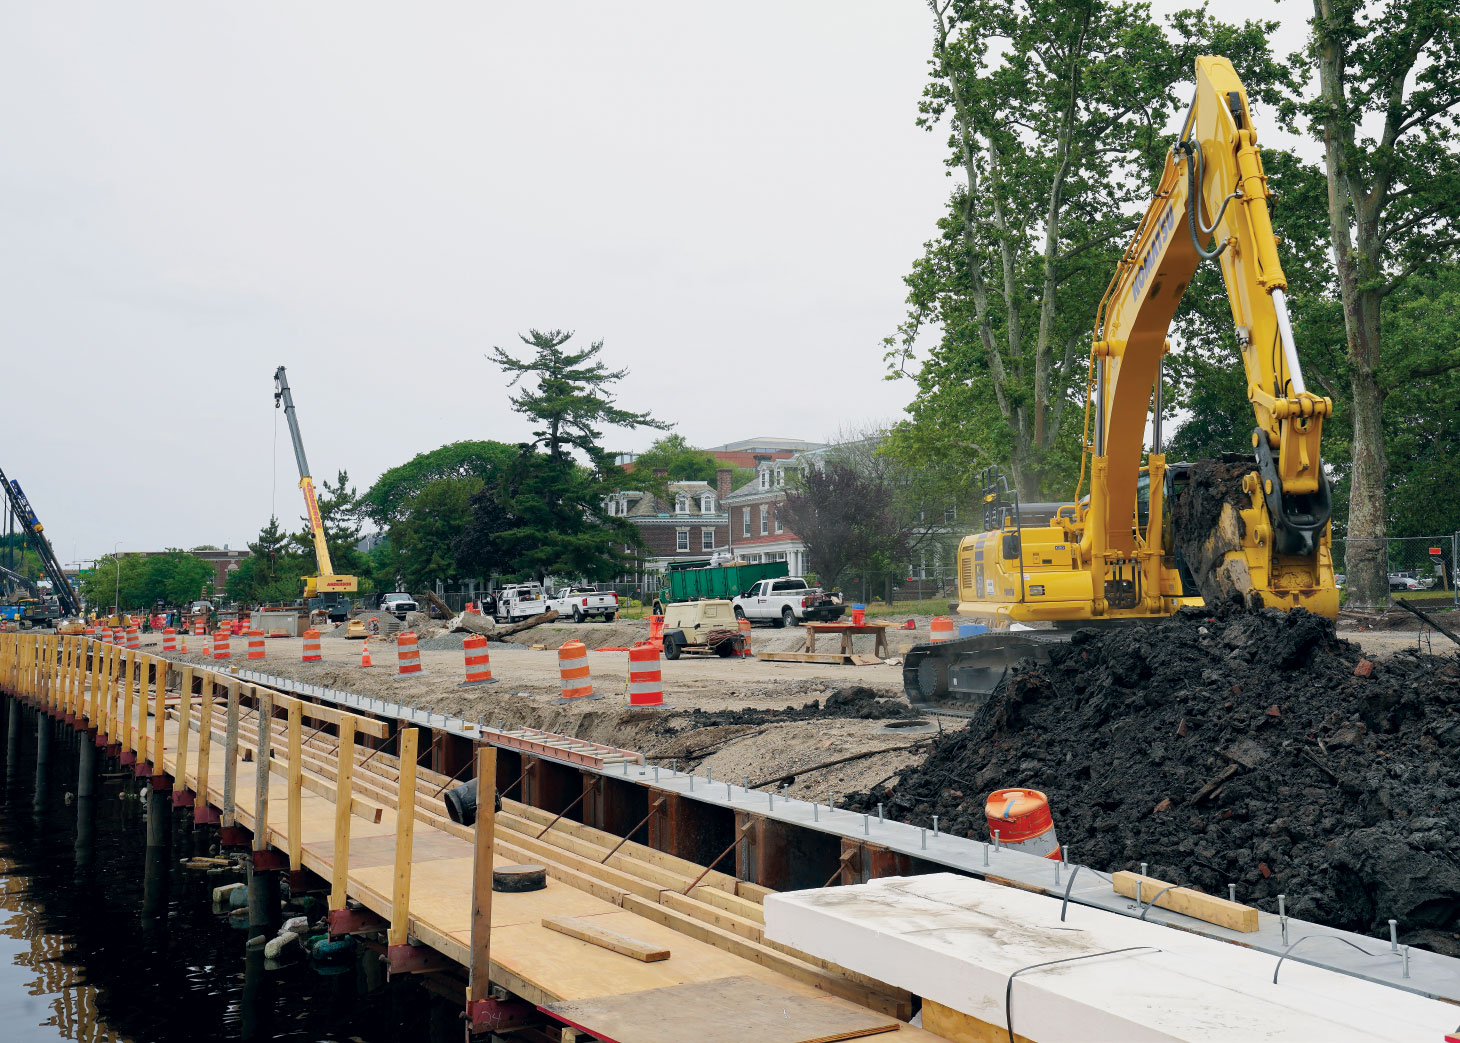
128	669
479	986
264	701
230	762
296	785
405	831
159	723
330	715
344	798
205	742
1231	915
605	939
185	710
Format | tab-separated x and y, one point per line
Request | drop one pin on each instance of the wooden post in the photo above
128	663
230	750
159	724
144	736
296	784
104	717
264	700
481	887
344	795
405	829
205	739
184	728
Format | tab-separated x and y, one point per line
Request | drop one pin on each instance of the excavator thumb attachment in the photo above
962	674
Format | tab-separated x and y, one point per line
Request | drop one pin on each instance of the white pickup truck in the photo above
520	602
584	602
786	602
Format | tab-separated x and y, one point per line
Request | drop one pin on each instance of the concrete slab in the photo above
957	941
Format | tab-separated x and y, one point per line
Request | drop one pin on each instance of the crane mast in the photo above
326	581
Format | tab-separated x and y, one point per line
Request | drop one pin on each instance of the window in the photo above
781	556
779	527
765	478
707	504
745	521
765	519
780	477
681	504
681	539
950	515
612	508
707	539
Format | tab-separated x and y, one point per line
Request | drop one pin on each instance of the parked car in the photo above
522	601
398	604
1400	581
786	602
583	603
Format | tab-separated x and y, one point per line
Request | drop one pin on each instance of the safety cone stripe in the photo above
365	659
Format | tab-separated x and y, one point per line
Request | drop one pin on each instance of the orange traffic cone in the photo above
183	637
365	654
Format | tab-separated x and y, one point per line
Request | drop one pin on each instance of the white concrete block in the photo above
956	940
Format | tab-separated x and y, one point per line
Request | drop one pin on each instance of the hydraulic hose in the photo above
1195	168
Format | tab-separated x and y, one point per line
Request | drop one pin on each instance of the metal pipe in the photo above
1100	406
1290	349
1156	423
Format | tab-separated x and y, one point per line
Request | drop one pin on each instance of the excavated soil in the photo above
1256	748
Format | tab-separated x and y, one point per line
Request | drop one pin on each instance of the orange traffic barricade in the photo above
220	645
573	670
646	684
407	655
943	629
256	644
311	652
478	661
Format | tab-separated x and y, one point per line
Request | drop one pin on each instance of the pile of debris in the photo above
1254	748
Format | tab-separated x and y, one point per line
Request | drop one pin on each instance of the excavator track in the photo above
959	676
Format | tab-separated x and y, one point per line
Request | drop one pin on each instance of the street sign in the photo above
1436	552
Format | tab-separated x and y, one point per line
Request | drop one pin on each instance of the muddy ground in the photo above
1259	749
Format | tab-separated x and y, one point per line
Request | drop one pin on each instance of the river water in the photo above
83	957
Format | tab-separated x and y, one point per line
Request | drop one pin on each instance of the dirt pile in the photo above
1206	523
1254	748
855	703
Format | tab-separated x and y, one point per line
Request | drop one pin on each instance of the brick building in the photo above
223	560
691	525
758	529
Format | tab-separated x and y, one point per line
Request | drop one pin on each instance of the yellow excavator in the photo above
1116	555
326	591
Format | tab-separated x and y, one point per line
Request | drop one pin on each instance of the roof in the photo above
766	444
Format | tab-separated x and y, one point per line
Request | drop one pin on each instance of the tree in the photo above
544	513
571	398
1392	203
339	513
1054	113
422	544
393	495
846	519
683	462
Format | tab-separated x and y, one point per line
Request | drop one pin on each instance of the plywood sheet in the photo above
726	1010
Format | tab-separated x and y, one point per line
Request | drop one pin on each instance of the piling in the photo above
155	865
42	761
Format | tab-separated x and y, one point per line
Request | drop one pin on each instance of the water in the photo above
82	959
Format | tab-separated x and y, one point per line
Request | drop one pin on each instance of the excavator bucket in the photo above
962	674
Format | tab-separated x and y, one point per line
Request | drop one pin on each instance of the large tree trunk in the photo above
1366	558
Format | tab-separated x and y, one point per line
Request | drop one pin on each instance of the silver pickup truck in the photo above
788	601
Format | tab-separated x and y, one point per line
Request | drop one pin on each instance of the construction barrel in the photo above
220	645
169	640
573	670
1020	819
478	661
256	644
646	686
943	629
311	653
134	638
407	655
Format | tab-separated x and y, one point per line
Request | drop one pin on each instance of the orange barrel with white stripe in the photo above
311	652
220	645
745	637
1023	821
943	629
118	636
478	661
134	637
246	624
256	644
573	671
646	688
200	628
169	640
656	630
407	655
91	633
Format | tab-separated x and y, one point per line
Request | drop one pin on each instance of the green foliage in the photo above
420	548
17	556
543	514
138	582
1053	112
571	398
393	495
683	462
339	513
846	517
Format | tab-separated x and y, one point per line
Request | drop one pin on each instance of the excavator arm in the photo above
1211	203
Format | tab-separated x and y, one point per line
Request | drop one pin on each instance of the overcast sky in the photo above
374	194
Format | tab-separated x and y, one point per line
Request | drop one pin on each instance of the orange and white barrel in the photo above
573	671
311	652
646	686
1022	820
407	655
220	645
943	629
91	633
134	638
745	637
169	640
246	624
256	644
478	661
200	628
119	636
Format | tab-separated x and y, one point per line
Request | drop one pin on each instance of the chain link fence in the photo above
1422	569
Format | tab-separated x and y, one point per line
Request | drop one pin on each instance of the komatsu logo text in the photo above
1152	257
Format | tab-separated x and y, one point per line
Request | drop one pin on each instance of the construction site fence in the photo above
1422	569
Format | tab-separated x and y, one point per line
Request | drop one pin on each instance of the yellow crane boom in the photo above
326	581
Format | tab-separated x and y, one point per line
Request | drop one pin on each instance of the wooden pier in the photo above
343	802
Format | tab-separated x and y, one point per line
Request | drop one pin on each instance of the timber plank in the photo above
606	939
1231	915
